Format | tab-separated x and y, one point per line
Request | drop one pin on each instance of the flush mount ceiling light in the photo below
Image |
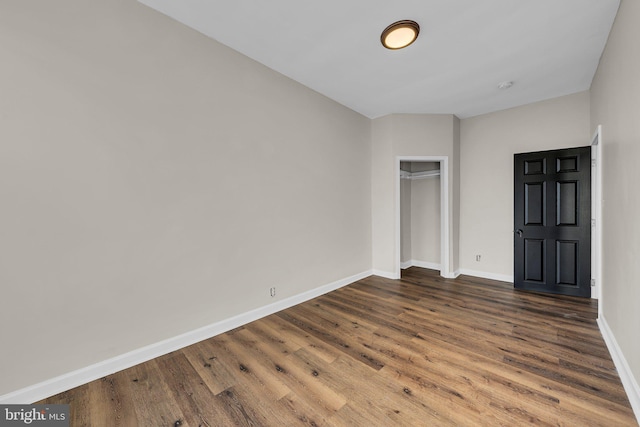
400	34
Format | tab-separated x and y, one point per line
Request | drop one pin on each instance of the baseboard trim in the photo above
485	275
450	275
421	264
430	266
93	372
385	274
624	371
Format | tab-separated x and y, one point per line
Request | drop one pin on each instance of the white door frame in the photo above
444	210
596	216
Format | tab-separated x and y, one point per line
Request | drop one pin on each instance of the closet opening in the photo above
422	220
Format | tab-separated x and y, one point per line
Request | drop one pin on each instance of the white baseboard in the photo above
385	274
430	266
451	275
485	275
81	376
422	264
624	371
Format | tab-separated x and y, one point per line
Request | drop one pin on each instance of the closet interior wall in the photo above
420	214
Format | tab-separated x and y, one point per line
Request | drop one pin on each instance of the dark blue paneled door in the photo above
552	221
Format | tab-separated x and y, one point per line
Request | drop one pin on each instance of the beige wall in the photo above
615	104
455	186
382	195
488	143
405	220
125	219
425	220
406	135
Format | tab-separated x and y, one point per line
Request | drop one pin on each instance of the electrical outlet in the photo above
478	258
272	291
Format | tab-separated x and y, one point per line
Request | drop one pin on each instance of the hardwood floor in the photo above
421	351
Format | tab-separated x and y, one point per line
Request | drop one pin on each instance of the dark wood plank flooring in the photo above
421	351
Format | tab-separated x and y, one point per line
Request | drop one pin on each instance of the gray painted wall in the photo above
125	219
488	143
615	104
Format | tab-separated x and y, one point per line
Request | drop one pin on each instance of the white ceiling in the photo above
548	48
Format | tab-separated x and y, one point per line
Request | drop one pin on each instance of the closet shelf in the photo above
419	175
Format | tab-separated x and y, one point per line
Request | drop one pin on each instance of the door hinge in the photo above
594	163
593	282
593	222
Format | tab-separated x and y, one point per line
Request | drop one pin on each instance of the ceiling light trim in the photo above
400	34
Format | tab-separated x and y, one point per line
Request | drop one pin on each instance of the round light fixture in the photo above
400	34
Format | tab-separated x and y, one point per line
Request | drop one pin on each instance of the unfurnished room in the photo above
356	213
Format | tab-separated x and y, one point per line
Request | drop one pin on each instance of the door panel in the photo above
552	220
567	203
567	262
534	260
534	203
